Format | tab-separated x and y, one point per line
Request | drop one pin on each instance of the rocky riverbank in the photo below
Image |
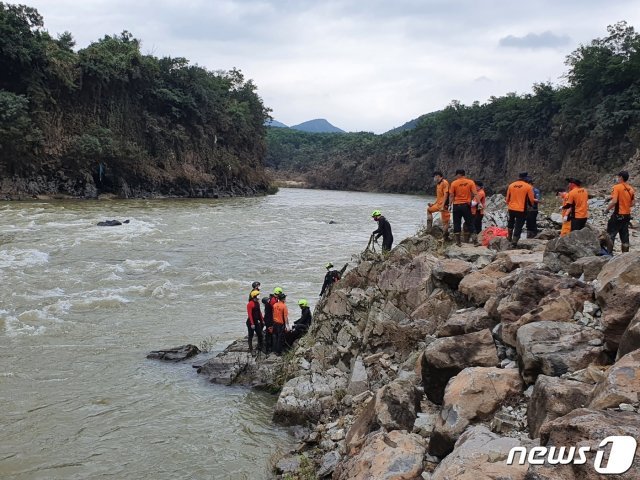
435	361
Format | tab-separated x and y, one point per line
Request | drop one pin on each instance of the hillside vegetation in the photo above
107	118
587	127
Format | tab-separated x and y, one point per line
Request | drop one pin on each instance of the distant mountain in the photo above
411	124
276	123
319	125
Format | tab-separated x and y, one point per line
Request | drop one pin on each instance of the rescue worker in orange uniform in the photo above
623	198
477	210
441	205
576	207
461	193
518	194
254	320
280	323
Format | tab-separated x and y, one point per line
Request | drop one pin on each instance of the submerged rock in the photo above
176	354
111	223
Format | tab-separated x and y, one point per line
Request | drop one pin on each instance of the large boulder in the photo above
522	291
396	455
304	398
555	348
480	454
512	259
436	309
396	405
237	366
467	321
388	328
620	385
590	267
630	339
446	357
554	397
561	252
408	285
480	285
451	271
618	294
559	306
479	256
586	428
472	396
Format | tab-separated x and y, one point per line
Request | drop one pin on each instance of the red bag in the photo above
492	232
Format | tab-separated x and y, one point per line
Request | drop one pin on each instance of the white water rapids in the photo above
82	305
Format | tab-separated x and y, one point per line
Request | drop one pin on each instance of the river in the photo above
81	306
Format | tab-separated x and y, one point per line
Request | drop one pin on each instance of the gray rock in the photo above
590	267
554	397
479	256
560	253
446	357
480	454
176	354
328	463
359	381
555	348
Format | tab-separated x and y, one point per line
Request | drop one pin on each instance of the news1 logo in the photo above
623	450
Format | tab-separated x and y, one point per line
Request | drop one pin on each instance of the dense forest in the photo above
109	119
585	128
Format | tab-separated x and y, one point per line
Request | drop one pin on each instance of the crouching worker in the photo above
254	320
300	326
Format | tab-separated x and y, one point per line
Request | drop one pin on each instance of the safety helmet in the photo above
277	291
303	302
376	213
255	285
282	296
254	293
328	265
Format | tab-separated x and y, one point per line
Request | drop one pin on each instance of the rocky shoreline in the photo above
435	361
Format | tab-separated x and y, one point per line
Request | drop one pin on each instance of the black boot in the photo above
509	234
625	247
458	242
251	345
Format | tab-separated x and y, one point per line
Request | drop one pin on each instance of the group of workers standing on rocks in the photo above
465	200
272	329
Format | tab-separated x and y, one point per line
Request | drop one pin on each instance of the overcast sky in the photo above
363	65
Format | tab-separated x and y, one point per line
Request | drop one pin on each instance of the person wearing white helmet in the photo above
330	278
383	230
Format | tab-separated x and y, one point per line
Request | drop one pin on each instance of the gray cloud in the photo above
536	40
362	64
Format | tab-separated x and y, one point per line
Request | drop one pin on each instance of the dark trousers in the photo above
268	338
578	223
386	243
532	221
460	211
477	222
516	222
257	330
278	337
619	224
